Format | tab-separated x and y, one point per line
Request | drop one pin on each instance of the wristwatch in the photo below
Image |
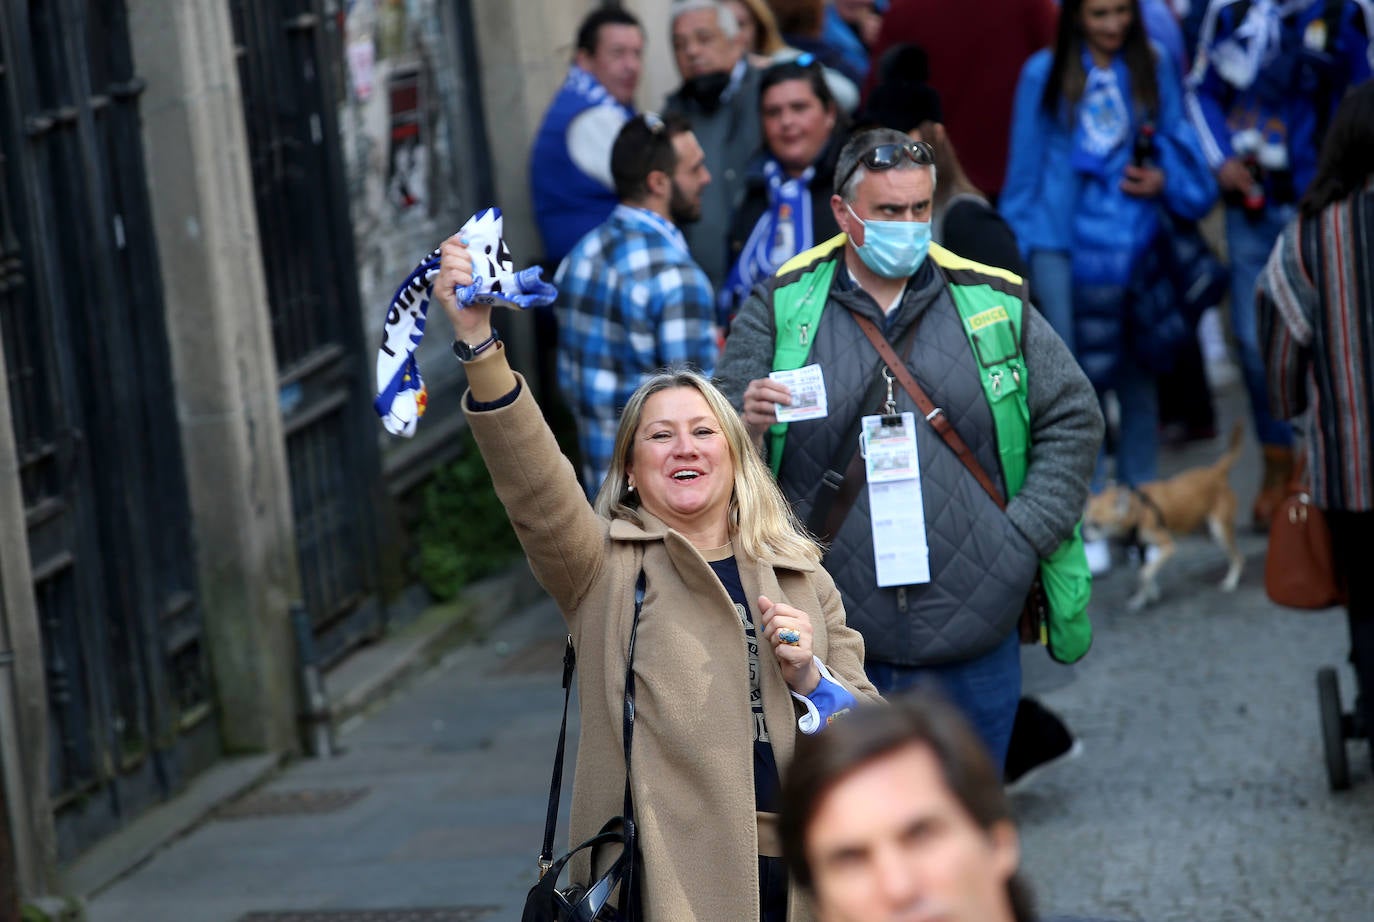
467	353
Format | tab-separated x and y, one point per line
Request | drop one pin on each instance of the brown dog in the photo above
1156	512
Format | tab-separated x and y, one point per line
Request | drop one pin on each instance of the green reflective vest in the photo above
990	304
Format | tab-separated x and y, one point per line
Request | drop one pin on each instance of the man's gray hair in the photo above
862	143
725	18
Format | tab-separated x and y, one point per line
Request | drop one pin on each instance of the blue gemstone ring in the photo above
789	636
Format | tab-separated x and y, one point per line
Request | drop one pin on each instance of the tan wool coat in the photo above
692	757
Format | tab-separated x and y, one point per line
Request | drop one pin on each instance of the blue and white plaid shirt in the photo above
630	301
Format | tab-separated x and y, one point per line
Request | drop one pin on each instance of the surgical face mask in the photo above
893	249
707	89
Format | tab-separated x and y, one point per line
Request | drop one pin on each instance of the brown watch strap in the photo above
933	414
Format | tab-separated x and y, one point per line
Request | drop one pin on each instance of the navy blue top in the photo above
766	783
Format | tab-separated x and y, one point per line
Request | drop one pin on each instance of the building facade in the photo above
204	208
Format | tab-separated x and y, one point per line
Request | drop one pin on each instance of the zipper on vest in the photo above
805	335
901	599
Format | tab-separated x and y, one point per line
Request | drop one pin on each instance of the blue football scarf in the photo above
783	231
1254	43
1104	121
401	394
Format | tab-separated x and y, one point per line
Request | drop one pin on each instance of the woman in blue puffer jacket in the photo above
1098	143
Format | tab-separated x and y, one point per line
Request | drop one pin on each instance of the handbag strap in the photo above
556	784
937	418
1300	479
629	730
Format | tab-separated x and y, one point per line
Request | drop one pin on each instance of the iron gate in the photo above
285	53
99	457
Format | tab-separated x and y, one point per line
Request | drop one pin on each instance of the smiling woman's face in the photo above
796	124
680	463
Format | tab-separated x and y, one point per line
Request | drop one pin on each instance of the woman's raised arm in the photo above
562	537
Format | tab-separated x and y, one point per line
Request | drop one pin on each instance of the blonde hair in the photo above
767	38
761	521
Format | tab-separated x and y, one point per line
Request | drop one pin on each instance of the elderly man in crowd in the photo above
719	97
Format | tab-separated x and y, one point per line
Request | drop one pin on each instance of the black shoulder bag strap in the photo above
629	890
556	784
845	476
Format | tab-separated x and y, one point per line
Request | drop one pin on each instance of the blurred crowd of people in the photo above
1079	145
1098	132
969	237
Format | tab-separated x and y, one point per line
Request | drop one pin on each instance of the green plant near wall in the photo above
463	531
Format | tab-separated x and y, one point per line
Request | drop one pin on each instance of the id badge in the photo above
897	512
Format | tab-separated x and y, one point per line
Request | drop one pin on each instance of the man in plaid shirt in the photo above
631	300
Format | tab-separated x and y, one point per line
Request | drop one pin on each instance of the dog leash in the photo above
1153	507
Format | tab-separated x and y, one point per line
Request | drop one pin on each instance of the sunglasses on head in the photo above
887	156
653	122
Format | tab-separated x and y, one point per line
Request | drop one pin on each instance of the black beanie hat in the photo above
902	99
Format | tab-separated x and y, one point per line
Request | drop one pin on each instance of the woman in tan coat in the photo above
741	643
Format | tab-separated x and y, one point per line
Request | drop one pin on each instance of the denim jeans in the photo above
1248	245
1052	291
1137	442
985	688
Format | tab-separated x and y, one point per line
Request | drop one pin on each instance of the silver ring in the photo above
789	636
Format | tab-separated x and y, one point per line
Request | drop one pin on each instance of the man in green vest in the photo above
933	560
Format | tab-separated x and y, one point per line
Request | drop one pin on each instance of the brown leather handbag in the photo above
1299	568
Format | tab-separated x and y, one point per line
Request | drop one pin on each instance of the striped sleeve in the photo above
1283	302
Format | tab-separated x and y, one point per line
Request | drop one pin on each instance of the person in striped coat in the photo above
1315	306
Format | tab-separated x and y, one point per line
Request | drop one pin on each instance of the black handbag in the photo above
546	902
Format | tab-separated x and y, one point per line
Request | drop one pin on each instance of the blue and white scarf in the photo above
401	393
1254	43
584	85
1104	118
783	231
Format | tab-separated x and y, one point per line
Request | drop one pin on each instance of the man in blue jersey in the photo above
1267	77
570	166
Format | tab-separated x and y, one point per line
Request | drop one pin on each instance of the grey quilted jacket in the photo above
982	560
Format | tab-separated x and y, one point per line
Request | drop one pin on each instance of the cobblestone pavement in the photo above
442	793
1200	795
